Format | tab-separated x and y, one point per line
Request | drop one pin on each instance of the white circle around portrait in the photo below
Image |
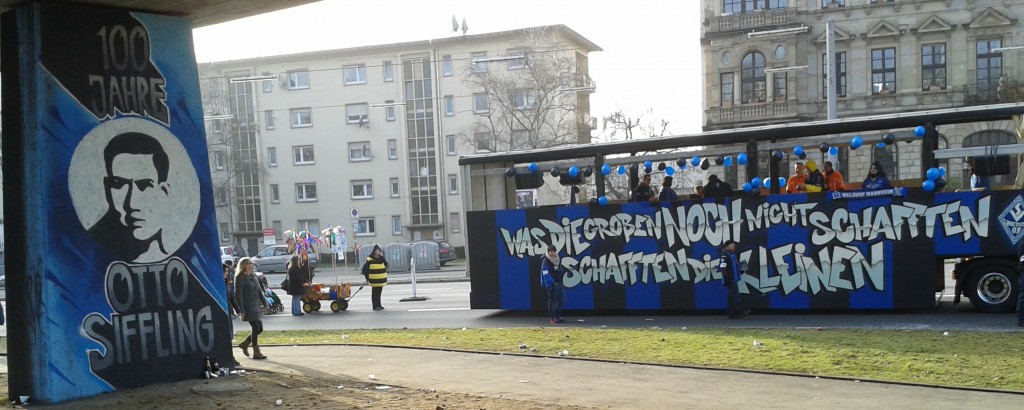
176	216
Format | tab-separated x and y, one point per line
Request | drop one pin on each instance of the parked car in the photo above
445	252
275	259
230	254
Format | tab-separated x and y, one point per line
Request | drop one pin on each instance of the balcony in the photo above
748	21
1006	90
769	112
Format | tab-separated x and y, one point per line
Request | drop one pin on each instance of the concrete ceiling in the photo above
201	12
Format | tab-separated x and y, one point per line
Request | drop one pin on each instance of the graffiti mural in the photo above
851	250
115	276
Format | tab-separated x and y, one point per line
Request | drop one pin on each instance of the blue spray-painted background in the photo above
959	224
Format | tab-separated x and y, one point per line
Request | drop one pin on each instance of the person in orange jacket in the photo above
796	182
833	179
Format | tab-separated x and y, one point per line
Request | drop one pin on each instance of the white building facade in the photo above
365	138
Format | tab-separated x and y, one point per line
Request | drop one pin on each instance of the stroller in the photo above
273	304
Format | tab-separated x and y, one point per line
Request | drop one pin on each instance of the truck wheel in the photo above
335	306
992	288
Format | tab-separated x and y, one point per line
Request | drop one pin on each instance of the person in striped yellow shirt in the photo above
375	269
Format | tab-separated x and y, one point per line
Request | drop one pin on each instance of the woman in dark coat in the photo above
297	282
375	269
249	296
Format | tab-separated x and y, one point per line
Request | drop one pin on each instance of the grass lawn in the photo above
982	360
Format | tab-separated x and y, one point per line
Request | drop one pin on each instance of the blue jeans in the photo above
296	305
556	298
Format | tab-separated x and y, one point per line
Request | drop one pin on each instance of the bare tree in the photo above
533	104
621	125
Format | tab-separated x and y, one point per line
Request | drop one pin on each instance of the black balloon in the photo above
939	184
823	147
705	164
648	170
888	138
510	172
634	167
719	160
661	166
554	172
593	201
681	162
755	192
588	171
777	155
803	155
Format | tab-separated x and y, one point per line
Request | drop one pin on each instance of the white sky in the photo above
651	58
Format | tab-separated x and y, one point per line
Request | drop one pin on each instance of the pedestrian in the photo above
833	179
815	182
876	178
731	271
297	283
795	183
551	274
249	296
643	192
229	287
667	193
375	269
978	182
717	188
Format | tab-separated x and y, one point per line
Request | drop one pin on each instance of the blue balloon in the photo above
782	182
603	200
574	171
534	167
727	162
928	185
880	145
756	182
695	160
942	172
920	131
833	151
747	187
856	142
933	174
797	150
767	182
741	158
669	171
622	169
606	169
647	164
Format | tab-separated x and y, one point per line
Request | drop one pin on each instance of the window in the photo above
779	86
275	194
362	189
483	141
308	225
453	184
750	6
990	68
833	3
269	119
519	63
392	149
365	227
302	117
222	196
480	105
395	189
883	70
217	127
219	159
303	155
389	111
356	113
933	66
752	81
355	74
305	192
359	151
298	80
840	72
396	224
447	67
479	67
272	156
727	89
277	229
449	106
224	234
389	72
268	85
520	139
450	141
454	222
524	99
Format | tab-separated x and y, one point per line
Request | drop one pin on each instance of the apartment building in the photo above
765	63
368	138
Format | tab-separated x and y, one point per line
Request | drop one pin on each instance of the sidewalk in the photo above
605	384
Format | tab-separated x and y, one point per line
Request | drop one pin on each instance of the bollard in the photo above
412	273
